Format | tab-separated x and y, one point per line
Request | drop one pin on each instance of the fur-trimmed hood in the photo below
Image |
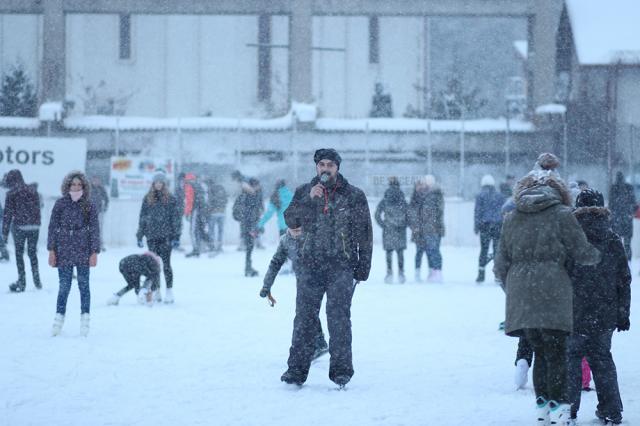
537	193
595	221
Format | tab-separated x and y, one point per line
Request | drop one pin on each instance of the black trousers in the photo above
596	348
249	241
337	282
525	351
400	260
21	237
489	235
162	248
550	366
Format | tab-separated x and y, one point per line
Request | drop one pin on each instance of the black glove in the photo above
140	243
264	292
623	324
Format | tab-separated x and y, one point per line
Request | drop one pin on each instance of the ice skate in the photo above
480	278
168	296
84	325
401	278
522	373
291	377
559	414
435	276
58	322
417	276
157	296
17	287
113	300
388	279
542	411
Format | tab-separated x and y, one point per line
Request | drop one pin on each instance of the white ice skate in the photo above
113	300
157	296
418	279
58	322
542	412
84	325
559	414
522	373
388	279
168	296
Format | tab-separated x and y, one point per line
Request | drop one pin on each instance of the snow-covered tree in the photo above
17	95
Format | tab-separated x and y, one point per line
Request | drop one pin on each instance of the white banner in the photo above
44	161
131	177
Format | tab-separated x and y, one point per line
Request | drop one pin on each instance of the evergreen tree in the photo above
17	96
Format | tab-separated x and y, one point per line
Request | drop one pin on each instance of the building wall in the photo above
21	43
629	96
180	65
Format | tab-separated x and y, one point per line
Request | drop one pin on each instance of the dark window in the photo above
374	40
264	57
125	36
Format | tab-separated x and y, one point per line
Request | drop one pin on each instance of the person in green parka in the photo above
539	238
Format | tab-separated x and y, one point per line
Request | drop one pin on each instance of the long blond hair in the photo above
151	197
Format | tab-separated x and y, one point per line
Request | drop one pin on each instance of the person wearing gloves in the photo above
288	249
487	221
601	304
336	226
160	222
132	268
73	242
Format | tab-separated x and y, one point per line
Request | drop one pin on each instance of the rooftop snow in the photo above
19	123
418	125
605	32
551	109
99	122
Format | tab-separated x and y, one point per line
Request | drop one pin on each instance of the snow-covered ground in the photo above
424	354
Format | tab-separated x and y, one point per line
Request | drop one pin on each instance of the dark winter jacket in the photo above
426	213
622	203
488	207
22	205
160	220
602	292
336	228
247	209
100	198
287	249
141	265
391	215
74	234
217	199
538	239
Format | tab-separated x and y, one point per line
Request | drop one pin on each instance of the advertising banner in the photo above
131	177
44	161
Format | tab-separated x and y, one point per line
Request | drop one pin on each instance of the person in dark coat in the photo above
426	219
288	247
161	223
336	255
100	198
537	241
247	210
601	304
487	221
216	206
622	204
391	215
134	267
73	241
22	216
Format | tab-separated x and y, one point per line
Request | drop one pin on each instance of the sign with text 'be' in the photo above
44	161
131	177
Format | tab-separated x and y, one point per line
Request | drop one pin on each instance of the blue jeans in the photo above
65	275
216	220
431	245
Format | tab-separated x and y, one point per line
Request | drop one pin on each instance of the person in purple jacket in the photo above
74	241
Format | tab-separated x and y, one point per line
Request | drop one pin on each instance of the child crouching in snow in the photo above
288	249
132	268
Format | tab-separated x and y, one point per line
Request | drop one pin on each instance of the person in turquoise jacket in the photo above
278	203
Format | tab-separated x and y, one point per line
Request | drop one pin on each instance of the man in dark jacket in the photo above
132	268
22	210
601	302
247	210
537	241
487	221
336	225
100	199
622	203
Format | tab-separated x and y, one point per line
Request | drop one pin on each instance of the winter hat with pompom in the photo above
487	180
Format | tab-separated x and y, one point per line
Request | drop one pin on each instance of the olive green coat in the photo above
538	239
